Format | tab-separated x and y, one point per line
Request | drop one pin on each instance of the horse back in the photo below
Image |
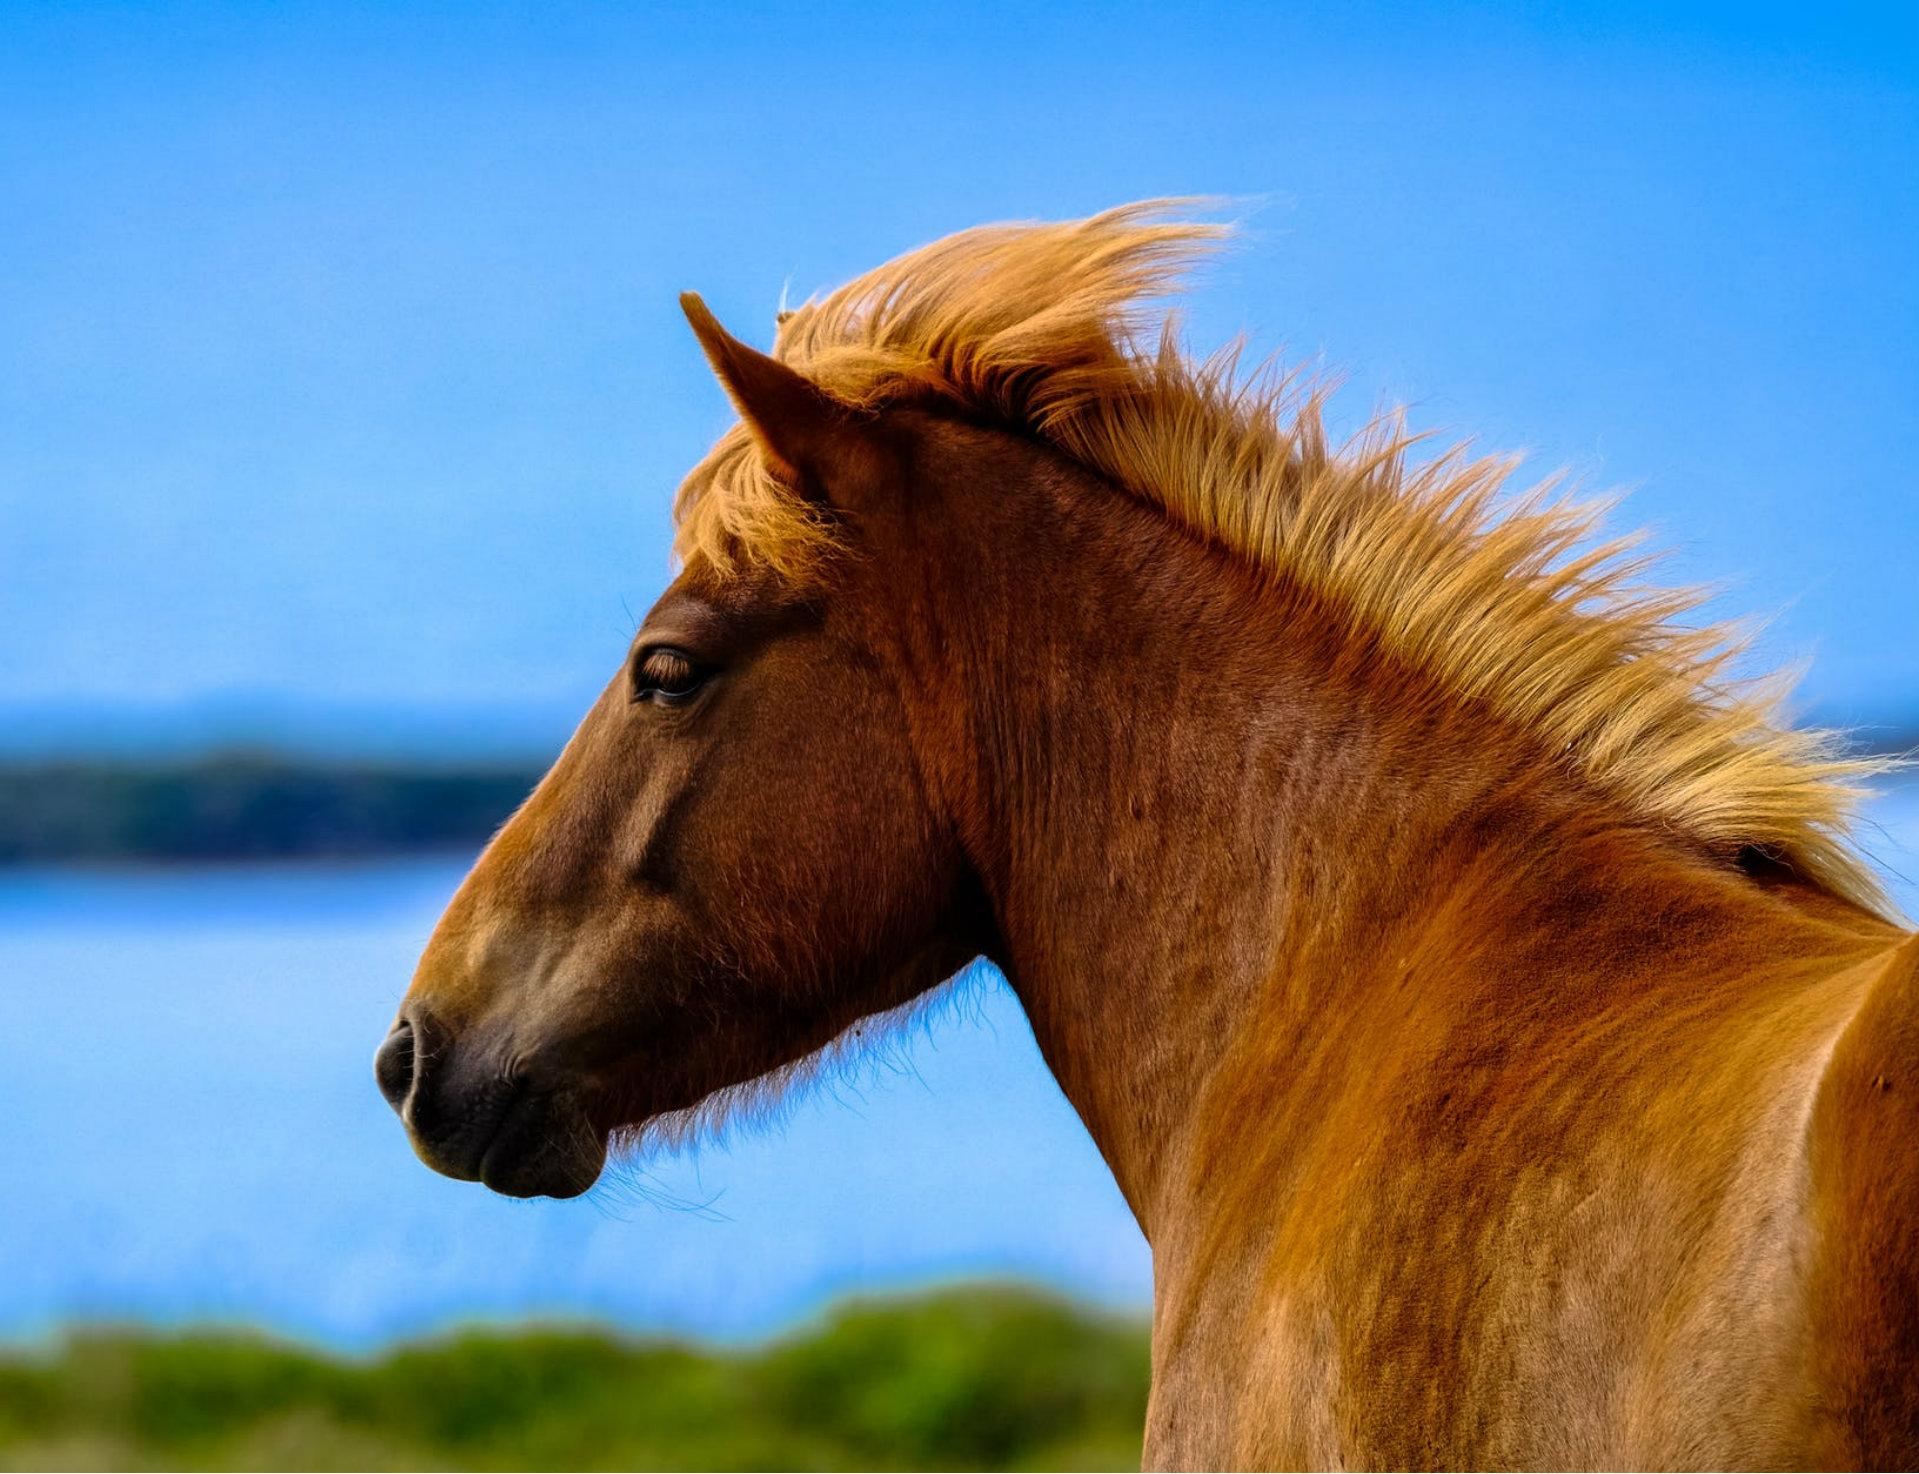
1863	1288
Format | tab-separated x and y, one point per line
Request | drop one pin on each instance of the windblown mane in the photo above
1505	597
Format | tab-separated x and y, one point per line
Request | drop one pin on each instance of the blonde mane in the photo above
1505	597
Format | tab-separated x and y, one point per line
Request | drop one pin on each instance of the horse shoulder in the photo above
1615	1267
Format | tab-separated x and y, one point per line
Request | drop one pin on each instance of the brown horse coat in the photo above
1478	1001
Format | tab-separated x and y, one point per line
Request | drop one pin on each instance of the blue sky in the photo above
340	366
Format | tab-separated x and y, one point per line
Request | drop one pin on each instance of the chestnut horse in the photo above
1473	990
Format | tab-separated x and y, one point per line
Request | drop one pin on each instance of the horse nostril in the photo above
393	1064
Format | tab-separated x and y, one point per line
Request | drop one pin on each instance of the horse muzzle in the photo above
470	1118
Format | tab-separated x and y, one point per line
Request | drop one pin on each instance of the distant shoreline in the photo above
264	805
248	807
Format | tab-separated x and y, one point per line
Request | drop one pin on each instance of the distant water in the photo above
189	1130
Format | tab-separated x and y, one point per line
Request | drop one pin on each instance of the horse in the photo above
1473	986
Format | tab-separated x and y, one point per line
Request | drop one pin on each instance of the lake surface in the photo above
189	1130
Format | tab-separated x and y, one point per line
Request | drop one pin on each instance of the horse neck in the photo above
1198	803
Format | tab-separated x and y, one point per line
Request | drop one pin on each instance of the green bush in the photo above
973	1378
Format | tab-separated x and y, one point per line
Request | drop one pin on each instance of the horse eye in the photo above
666	673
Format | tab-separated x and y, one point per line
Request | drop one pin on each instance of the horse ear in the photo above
800	428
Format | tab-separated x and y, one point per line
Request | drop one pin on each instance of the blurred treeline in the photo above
975	1378
248	807
265	805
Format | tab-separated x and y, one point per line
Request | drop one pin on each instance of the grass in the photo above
973	1378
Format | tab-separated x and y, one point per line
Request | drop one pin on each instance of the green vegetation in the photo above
243	807
974	1378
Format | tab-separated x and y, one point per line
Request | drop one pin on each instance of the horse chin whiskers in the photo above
866	1049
